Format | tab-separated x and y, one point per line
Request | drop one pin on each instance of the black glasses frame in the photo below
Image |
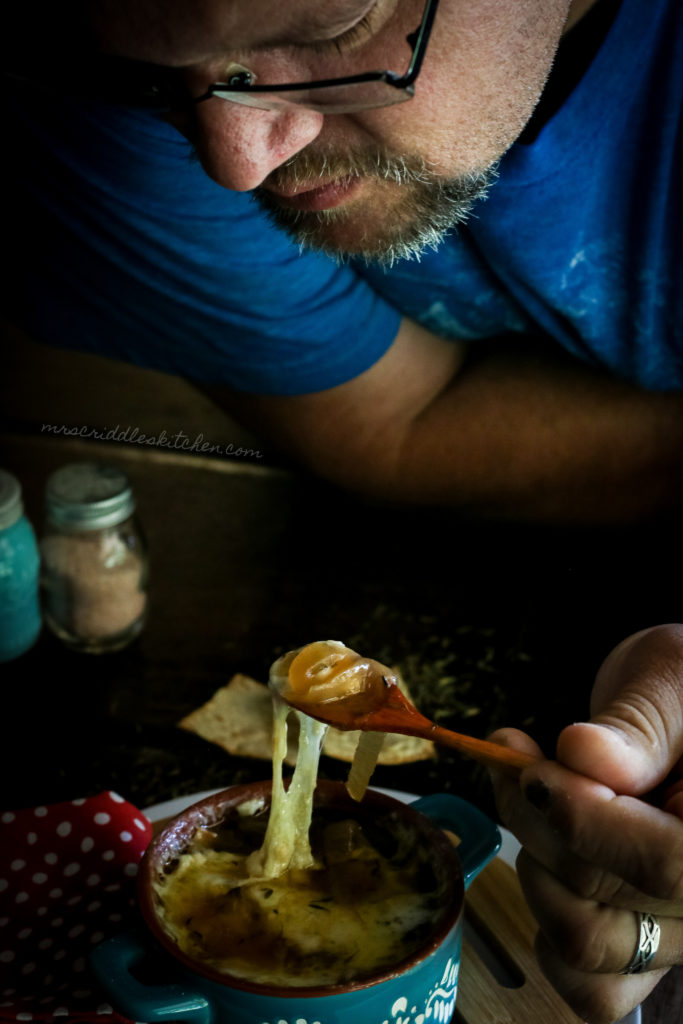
405	82
131	83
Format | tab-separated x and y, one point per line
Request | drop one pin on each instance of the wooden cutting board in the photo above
499	927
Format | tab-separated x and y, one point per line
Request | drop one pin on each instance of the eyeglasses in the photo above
133	83
365	91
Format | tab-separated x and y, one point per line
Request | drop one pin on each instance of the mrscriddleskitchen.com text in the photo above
178	440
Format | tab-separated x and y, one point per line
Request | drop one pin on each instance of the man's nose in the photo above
239	146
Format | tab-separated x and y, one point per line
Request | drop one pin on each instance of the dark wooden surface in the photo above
491	625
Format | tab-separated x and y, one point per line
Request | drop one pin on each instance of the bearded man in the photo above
525	363
475	301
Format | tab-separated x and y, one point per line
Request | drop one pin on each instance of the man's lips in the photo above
317	197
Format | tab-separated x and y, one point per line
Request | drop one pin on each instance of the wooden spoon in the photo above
385	709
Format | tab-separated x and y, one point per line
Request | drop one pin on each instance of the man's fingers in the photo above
594	853
505	785
617	850
595	998
635	734
589	936
618	836
517	740
634	657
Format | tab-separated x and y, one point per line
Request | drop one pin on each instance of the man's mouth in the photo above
321	196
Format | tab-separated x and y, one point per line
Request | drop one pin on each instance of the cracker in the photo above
239	718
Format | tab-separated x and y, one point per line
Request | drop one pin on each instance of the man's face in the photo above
381	183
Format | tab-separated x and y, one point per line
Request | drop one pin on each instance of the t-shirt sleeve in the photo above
127	249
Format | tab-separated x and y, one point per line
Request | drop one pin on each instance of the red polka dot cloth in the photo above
67	881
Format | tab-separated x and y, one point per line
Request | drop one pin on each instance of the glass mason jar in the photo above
20	620
94	559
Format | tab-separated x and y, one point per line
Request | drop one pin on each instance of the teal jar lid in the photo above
11	505
89	496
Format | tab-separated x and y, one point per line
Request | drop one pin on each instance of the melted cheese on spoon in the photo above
329	671
286	844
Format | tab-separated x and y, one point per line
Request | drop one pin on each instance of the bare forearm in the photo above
542	437
513	432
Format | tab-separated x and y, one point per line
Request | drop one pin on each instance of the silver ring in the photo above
647	945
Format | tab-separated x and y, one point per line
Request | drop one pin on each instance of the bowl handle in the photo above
479	838
112	962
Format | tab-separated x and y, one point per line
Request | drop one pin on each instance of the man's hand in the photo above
595	849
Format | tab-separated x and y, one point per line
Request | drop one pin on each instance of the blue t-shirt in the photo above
581	238
137	254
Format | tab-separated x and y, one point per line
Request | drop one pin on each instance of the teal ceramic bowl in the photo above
421	988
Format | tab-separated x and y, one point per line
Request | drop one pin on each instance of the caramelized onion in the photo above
325	671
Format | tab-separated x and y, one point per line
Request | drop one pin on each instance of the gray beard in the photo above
431	206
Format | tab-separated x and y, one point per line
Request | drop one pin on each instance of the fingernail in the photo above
538	795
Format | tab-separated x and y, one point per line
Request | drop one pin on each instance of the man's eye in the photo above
349	40
236	75
373	21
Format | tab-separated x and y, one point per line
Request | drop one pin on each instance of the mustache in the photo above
428	208
309	166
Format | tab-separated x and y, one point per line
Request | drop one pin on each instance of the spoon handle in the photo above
493	755
399	716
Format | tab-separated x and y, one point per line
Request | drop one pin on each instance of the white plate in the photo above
158	812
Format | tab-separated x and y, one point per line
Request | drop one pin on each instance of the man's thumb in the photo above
635	734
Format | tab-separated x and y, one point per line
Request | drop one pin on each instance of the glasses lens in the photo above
335	99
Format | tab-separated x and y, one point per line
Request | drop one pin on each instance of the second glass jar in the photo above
94	559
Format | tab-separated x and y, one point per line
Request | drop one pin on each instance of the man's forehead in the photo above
187	31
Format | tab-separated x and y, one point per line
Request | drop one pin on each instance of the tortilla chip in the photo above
239	718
